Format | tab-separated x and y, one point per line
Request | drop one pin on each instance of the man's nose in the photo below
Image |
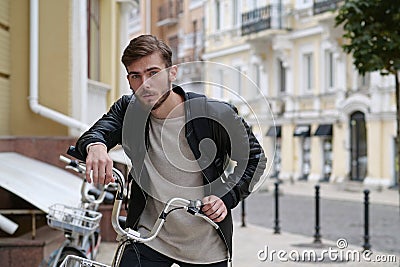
145	81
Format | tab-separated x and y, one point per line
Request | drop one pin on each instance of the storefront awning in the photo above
324	130
38	183
302	130
274	131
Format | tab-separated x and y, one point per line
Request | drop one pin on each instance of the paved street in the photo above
338	218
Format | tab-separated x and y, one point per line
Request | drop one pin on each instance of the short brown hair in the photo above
145	45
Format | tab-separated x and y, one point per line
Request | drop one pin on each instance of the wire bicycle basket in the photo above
72	219
75	261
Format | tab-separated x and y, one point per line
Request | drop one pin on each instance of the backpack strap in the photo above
199	115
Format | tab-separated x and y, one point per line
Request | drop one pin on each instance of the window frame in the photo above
308	72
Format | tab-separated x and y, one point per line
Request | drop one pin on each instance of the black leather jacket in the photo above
205	119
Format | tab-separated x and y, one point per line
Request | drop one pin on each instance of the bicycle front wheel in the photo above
70	251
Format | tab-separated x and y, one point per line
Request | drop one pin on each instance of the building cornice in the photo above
306	32
226	51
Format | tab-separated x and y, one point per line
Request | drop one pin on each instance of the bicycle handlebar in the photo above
80	167
191	206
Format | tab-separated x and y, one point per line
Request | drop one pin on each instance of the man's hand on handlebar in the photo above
99	163
214	208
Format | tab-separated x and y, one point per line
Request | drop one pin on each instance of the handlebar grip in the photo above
65	159
74	164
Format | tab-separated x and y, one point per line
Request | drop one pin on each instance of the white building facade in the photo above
329	123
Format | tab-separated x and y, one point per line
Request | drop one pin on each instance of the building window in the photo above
282	77
135	22
308	72
363	81
180	7
217	15
235	12
174	43
257	77
239	80
329	70
358	146
194	43
93	42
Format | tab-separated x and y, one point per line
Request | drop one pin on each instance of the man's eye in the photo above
152	73
135	76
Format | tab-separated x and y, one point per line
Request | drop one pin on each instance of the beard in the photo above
161	100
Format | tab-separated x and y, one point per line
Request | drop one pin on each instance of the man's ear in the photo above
130	87
173	71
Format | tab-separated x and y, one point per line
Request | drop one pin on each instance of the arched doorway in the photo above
358	146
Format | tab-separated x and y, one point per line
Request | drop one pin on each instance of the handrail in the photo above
31	212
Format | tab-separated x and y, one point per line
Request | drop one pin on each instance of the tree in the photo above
372	34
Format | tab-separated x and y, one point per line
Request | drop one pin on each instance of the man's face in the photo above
150	81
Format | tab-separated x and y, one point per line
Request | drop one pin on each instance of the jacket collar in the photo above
177	89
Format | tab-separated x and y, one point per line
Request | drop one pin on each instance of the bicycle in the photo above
80	224
125	236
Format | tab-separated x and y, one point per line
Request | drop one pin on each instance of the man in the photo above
162	129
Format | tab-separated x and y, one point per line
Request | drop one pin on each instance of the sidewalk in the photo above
249	241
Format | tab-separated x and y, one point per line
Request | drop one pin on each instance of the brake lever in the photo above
195	207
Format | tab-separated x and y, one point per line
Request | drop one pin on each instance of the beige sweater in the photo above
174	172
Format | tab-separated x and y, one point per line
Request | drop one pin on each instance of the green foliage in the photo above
372	30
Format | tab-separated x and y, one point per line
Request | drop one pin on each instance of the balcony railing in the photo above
256	20
321	6
263	18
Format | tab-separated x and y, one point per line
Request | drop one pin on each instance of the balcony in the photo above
321	6
263	18
256	20
168	13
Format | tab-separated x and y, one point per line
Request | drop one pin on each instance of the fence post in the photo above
317	235
277	229
366	245
243	214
